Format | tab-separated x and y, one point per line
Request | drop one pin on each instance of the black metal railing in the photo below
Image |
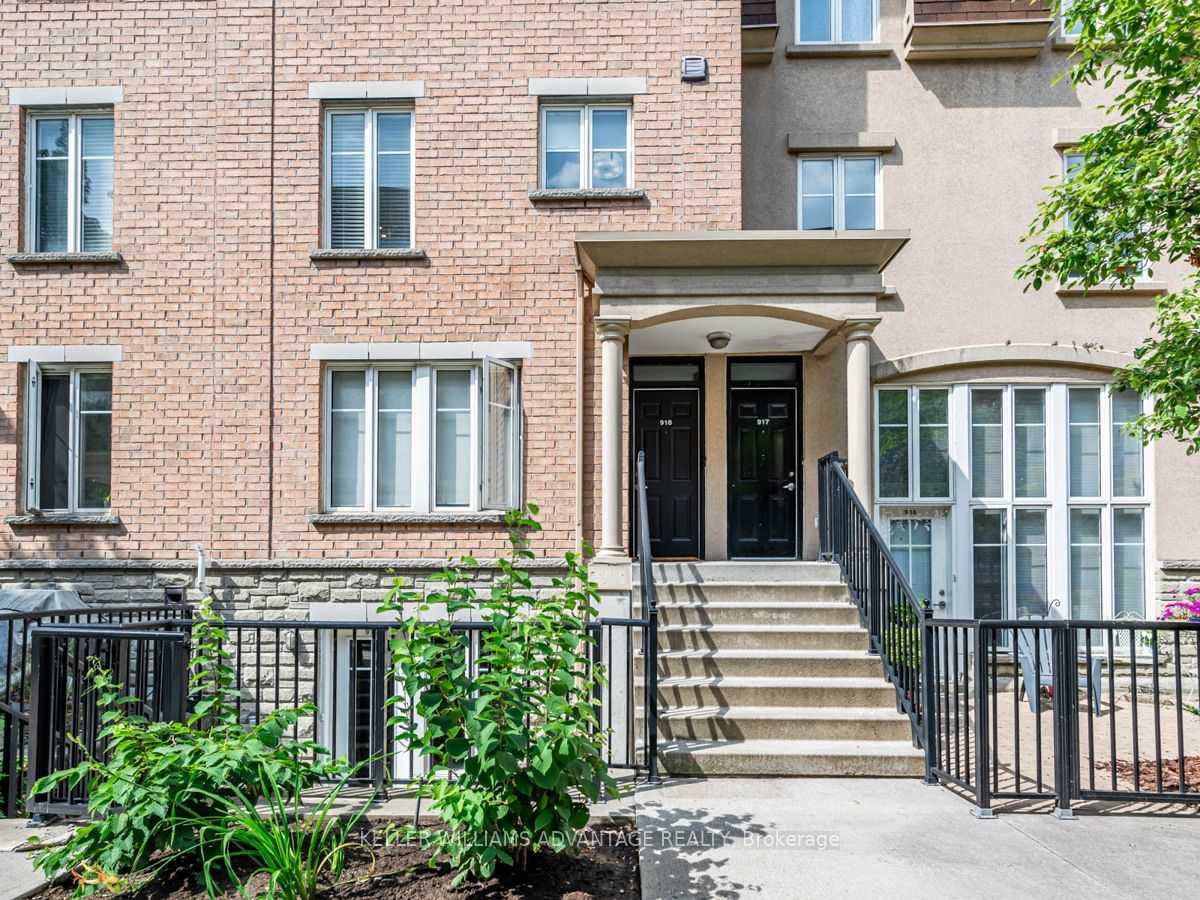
16	678
886	602
1066	710
649	621
1029	709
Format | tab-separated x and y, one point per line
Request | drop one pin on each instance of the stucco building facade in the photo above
324	290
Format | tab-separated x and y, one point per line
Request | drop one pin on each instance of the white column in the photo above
858	405
612	359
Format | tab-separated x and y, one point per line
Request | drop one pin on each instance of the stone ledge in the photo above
612	195
433	518
406	254
243	565
58	520
58	259
1140	289
834	51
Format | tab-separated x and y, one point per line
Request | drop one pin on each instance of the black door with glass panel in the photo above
667	428
763	476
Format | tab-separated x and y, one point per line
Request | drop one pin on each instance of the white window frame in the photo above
74	119
1070	155
839	187
424	453
1068	32
371	114
914	444
587	111
835	26
33	434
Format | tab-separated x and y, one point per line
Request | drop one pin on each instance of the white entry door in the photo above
918	542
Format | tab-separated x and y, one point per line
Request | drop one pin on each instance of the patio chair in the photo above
1037	648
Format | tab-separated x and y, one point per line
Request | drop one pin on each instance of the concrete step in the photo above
753	592
771	663
762	637
713	723
751	572
779	613
759	691
889	759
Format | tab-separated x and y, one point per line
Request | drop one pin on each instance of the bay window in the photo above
586	146
422	438
70	182
368	178
69	439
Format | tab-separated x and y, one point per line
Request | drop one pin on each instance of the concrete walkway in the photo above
17	877
827	838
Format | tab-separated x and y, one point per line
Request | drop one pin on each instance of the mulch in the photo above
603	868
1148	774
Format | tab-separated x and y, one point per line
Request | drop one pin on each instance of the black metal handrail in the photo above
886	602
650	615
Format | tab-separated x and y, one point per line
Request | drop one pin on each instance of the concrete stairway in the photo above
763	670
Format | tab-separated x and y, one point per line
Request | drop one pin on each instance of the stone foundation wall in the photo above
250	589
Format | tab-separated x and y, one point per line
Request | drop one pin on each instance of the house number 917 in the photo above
764	421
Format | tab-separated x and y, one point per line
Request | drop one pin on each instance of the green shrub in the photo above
158	782
514	749
295	848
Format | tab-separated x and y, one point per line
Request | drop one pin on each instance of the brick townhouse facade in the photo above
370	274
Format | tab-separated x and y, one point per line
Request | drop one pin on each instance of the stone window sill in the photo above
404	254
58	259
1139	289
59	520
833	51
587	197
1063	44
488	517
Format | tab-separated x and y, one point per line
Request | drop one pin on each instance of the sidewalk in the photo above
787	839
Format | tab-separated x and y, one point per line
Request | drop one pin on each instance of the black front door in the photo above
763	481
667	428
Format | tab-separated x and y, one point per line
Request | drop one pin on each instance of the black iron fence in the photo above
1029	709
1065	710
16	679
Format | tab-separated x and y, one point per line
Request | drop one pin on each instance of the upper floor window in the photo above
836	21
588	146
70	182
839	192
1071	164
368	178
69	438
1071	26
422	437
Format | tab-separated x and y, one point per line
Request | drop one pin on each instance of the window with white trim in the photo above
69	182
1071	163
1070	27
587	146
913	444
836	21
839	193
424	437
368	178
69	438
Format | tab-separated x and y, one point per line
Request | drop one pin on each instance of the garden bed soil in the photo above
1148	774
605	867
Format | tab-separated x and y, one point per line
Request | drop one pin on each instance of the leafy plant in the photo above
156	783
513	748
295	848
1135	198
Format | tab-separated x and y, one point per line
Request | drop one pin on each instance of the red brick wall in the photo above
219	304
926	11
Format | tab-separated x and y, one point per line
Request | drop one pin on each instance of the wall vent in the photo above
694	68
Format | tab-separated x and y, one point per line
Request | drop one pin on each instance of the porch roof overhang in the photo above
818	278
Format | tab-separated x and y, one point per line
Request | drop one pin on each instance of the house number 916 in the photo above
666	422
